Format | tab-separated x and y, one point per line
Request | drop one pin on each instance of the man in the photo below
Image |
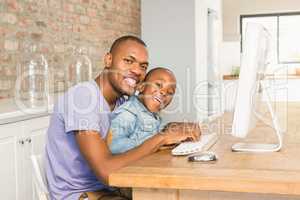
77	157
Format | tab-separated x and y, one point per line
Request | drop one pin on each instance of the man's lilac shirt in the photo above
82	107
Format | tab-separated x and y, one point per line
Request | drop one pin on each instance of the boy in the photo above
138	119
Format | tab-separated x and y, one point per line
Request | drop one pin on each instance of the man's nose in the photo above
136	69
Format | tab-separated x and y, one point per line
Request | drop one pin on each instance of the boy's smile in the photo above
158	89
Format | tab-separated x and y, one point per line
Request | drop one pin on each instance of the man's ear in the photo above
108	60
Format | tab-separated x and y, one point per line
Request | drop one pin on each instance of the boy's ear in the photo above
108	60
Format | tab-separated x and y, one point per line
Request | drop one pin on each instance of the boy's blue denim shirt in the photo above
131	125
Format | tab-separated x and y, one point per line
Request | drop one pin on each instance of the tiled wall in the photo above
59	25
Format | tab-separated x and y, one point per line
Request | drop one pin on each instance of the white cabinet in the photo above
34	135
283	90
280	90
10	153
18	141
8	170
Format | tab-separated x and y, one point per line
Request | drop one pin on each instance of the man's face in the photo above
127	66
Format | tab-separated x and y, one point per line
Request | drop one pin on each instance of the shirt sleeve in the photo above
81	110
122	127
162	125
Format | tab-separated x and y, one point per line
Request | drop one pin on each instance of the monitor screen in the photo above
253	63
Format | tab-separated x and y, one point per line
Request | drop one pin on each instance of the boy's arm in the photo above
122	126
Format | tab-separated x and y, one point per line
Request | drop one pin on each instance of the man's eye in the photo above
128	61
144	67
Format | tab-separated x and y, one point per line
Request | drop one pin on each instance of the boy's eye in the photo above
128	61
158	84
171	93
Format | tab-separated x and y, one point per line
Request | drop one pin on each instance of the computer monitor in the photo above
253	65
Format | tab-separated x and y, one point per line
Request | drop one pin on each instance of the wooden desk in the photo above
235	176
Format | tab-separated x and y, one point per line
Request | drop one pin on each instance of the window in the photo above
285	32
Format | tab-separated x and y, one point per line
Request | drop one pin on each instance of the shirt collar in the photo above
141	107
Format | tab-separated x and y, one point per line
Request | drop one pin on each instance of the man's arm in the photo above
100	159
96	152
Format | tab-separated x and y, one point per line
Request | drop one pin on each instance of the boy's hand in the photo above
176	132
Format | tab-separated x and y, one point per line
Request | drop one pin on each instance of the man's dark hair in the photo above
124	38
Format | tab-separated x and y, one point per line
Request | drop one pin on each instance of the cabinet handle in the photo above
21	142
28	140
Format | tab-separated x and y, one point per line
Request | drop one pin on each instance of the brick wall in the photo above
59	25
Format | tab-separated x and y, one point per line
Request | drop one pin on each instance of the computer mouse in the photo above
203	157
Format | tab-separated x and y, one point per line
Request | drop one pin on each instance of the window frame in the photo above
277	15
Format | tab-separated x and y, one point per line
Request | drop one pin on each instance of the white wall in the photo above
168	28
232	9
201	19
230	56
175	32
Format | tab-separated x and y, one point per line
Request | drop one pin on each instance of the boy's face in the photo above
158	90
127	66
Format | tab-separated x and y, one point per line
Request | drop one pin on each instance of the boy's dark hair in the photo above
124	38
156	69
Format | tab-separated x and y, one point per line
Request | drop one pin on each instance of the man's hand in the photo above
176	132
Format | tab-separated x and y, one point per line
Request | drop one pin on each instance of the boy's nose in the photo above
163	92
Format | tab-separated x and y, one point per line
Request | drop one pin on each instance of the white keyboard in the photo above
205	142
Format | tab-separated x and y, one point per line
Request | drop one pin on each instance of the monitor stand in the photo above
256	147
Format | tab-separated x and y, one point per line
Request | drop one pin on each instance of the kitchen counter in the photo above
11	112
268	76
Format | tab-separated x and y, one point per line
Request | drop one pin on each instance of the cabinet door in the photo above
11	149
35	136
